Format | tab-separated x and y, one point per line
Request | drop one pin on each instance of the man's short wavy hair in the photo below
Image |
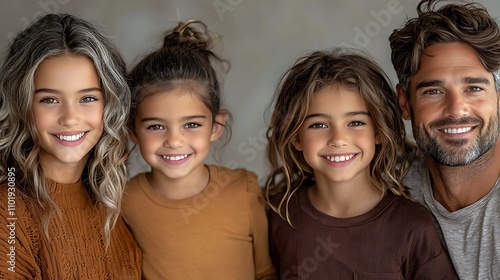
465	22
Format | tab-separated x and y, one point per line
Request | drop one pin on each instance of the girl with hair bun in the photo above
64	102
191	220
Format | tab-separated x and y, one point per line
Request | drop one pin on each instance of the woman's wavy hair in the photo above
104	176
356	71
186	60
468	23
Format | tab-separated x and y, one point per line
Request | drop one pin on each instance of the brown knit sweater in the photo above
76	245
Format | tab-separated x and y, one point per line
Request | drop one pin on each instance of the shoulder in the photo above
293	203
410	213
235	179
134	196
294	196
136	180
417	179
13	201
134	183
22	216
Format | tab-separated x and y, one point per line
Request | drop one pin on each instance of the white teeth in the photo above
340	158
175	158
70	138
457	130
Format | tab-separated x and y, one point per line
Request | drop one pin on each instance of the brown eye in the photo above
192	125
49	100
88	99
318	125
433	92
474	89
356	123
155	127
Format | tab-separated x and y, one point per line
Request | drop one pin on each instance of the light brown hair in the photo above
310	74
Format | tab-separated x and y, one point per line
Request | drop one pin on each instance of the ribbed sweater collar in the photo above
68	195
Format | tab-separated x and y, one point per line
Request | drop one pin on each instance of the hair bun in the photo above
188	36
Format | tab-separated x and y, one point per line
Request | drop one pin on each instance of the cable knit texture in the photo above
75	248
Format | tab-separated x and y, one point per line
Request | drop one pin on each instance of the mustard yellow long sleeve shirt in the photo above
220	233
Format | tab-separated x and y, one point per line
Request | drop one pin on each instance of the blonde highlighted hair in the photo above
356	71
104	175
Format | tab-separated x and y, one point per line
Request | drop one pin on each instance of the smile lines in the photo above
340	158
457	130
70	138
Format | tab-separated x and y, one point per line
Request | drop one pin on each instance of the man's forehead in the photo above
456	61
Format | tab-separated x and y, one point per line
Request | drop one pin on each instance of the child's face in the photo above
338	137
68	110
174	131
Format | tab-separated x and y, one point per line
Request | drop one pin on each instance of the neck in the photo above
460	186
345	199
65	173
179	188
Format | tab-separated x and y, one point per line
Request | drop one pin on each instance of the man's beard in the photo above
451	152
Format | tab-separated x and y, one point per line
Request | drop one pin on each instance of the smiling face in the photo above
337	138
454	105
68	111
174	131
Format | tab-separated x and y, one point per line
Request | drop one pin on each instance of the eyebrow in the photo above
348	114
465	80
475	80
432	83
55	91
183	119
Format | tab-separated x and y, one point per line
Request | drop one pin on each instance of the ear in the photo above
133	137
296	143
218	125
404	103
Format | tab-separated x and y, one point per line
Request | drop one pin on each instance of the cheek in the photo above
311	144
148	146
370	142
43	119
424	109
490	106
425	114
96	118
149	142
199	139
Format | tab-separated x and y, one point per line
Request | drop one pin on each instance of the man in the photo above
447	60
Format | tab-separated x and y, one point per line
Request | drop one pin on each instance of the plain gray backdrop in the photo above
261	39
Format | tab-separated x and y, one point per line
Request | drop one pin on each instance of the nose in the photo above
338	138
175	139
456	105
69	115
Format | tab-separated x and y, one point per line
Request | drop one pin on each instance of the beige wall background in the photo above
260	38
